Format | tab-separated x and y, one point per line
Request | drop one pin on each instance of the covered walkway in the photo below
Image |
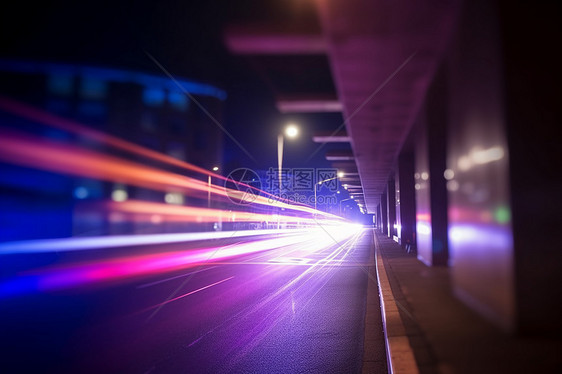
446	336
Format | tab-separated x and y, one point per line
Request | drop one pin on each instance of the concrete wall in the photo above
391	208
397	206
406	196
483	164
533	77
384	213
430	164
422	189
481	246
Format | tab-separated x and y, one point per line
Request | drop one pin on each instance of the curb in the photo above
400	356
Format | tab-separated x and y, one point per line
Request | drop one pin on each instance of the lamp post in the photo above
291	131
318	184
215	168
341	201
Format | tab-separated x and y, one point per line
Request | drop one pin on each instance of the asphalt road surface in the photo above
279	311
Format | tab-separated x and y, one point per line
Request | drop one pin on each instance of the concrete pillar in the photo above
407	202
430	164
481	242
437	118
397	206
391	208
533	113
384	214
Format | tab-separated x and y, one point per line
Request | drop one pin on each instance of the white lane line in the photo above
186	294
99	242
172	278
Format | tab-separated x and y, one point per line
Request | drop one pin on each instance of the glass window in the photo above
178	100
91	88
153	97
60	84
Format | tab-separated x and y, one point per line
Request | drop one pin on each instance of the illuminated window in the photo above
119	193
89	189
153	97
81	192
94	89
178	100
174	198
60	84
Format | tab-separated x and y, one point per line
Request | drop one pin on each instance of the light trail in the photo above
29	112
44	117
31	151
315	277
100	242
185	295
158	256
125	267
274	300
145	211
174	278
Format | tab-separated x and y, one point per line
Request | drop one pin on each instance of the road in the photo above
297	310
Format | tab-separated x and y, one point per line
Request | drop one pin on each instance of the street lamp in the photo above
318	184
291	131
341	201
215	168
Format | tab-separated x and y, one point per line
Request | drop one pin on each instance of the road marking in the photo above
400	355
172	278
187	294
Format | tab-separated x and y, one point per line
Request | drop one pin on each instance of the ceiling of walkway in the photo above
375	58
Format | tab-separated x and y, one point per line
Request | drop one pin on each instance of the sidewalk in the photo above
445	335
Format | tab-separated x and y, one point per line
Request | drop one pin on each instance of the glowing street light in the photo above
291	131
215	168
318	184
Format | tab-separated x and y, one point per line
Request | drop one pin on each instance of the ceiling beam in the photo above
309	104
331	137
340	156
265	39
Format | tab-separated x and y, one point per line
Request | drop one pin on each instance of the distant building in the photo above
149	110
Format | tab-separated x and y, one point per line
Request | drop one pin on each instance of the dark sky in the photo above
184	36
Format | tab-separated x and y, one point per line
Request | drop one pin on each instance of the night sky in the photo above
187	38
